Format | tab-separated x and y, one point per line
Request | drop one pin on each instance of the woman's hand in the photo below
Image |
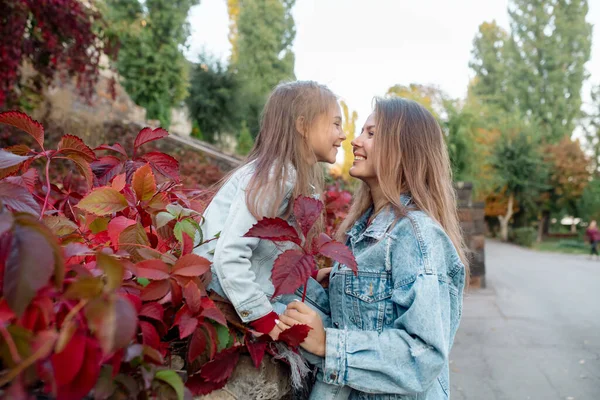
299	313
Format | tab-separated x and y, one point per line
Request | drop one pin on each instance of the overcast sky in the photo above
360	48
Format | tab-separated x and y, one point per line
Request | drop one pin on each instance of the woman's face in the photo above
327	135
363	167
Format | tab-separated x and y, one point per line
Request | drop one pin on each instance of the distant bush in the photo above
524	236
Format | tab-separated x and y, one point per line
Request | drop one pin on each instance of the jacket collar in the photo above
380	225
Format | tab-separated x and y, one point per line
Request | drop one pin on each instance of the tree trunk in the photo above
504	220
540	233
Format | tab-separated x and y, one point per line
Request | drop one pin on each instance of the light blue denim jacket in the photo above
241	266
391	327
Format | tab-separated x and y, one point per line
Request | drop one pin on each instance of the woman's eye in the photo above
337	124
371	134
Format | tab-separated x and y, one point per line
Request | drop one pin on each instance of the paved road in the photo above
533	333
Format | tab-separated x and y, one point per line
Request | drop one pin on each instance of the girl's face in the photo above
326	136
363	167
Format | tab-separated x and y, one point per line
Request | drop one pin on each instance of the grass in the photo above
563	246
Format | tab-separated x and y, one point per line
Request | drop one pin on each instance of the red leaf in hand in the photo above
149	335
152	269
148	135
340	253
295	335
274	229
24	122
163	163
197	344
307	211
291	270
257	351
68	362
191	265
221	368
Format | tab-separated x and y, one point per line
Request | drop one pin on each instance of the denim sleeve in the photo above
405	359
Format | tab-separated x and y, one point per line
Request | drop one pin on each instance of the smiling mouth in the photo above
359	158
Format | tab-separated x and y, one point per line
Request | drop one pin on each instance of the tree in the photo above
428	96
349	127
591	128
550	44
233	10
266	32
212	100
245	141
51	36
588	205
151	62
461	124
519	170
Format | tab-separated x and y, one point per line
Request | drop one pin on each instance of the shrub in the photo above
524	236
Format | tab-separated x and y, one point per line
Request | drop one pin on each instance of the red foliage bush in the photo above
99	288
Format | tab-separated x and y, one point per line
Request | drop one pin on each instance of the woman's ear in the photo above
300	125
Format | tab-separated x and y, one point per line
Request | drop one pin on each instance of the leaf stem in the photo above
304	291
14	353
47	187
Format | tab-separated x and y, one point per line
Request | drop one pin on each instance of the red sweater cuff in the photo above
265	324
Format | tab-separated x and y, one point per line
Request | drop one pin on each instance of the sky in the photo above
361	48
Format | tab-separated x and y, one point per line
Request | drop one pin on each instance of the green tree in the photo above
588	204
519	169
245	141
266	32
428	96
551	42
212	100
151	34
591	128
233	10
460	125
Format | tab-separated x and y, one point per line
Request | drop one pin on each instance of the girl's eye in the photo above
337	124
371	134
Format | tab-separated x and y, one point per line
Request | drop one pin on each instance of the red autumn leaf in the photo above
340	253
163	163
200	386
295	335
191	265
25	123
116	147
83	166
87	375
192	296
197	344
135	300
148	135
67	363
274	229
149	335
6	314
257	351
118	183
153	311
28	179
186	322
188	244
116	226
155	290
152	269
176	293
215	314
307	211
158	202
76	249
17	198
106	168
213	337
221	368
143	183
8	159
291	270
73	145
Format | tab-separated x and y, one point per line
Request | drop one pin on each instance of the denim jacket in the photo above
392	326
241	266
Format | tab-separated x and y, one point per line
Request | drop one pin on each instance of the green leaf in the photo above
143	281
223	335
175	210
163	218
85	288
113	270
184	226
100	224
60	225
103	201
172	379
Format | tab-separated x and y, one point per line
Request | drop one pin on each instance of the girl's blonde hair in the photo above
281	152
410	158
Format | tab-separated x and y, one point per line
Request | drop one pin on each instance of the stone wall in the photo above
472	222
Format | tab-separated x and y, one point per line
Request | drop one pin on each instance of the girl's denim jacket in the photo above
241	266
389	330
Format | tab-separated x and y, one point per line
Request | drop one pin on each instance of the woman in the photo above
593	236
393	324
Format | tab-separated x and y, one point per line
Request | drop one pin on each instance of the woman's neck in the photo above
379	200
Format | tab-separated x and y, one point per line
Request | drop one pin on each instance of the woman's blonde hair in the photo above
281	152
410	157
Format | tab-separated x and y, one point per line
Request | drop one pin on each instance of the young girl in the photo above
393	325
301	126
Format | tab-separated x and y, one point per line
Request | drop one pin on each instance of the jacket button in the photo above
336	324
244	313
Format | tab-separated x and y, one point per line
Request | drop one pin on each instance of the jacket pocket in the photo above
370	297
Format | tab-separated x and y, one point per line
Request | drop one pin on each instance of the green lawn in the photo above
563	246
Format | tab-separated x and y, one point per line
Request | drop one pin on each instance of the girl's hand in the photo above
323	274
299	313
